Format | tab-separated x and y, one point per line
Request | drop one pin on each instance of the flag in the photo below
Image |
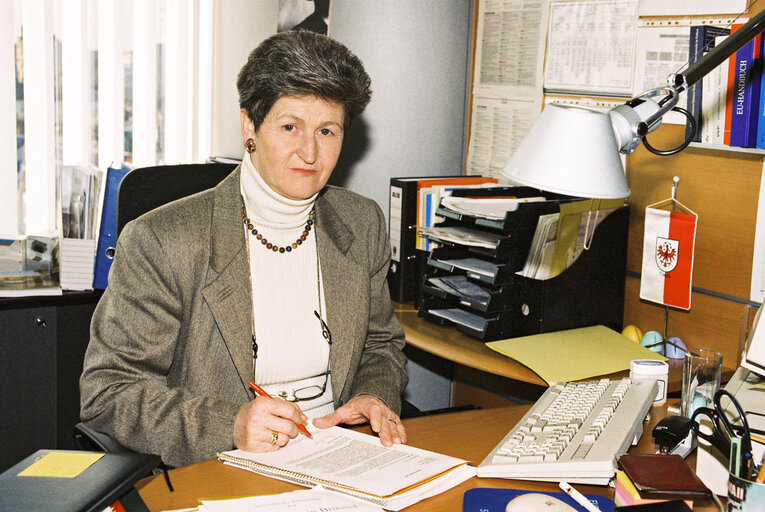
668	257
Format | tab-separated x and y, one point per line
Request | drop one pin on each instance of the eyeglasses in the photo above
314	391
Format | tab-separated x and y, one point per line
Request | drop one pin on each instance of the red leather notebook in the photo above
663	477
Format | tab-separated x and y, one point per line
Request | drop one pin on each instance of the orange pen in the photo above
262	392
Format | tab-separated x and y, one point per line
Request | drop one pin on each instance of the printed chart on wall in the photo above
593	48
507	92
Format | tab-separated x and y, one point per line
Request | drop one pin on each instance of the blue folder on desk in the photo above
107	233
485	499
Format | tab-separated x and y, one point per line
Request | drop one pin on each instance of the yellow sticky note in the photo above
61	464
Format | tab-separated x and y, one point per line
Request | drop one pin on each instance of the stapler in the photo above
675	435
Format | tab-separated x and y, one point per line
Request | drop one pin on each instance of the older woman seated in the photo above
272	276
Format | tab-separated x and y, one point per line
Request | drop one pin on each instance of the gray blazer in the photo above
170	349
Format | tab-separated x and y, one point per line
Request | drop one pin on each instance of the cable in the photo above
688	137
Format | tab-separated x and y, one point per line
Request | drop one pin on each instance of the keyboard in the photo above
574	432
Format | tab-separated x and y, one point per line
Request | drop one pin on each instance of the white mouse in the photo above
536	502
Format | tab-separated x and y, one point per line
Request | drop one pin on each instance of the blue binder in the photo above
107	234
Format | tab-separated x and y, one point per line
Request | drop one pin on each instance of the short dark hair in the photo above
302	63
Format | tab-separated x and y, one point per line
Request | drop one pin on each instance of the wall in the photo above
417	55
238	28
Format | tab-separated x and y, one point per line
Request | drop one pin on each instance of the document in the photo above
593	49
574	354
460	287
576	229
690	7
474	265
542	248
510	52
463	236
486	208
662	51
497	127
357	464
314	500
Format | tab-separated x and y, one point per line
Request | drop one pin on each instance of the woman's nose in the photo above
308	149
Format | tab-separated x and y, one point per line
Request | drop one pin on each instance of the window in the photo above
97	82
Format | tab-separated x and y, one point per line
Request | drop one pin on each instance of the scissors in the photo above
725	427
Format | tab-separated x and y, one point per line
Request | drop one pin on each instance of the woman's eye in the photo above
289	127
325	131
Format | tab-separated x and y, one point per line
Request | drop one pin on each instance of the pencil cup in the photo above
701	379
745	495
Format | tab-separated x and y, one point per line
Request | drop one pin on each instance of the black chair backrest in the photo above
146	188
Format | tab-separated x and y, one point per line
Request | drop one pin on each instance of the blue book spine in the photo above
107	233
702	39
760	143
746	95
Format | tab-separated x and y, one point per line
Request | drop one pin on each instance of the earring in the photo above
250	146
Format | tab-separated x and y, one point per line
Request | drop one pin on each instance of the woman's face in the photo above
297	145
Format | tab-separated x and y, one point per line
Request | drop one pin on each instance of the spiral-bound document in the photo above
358	465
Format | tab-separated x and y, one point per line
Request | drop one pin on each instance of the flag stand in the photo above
665	340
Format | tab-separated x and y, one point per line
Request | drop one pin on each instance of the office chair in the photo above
146	188
141	190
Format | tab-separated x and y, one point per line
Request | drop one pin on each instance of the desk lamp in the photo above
576	150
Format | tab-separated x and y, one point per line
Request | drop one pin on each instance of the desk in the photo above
448	343
469	435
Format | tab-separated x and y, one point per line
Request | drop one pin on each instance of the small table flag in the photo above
668	246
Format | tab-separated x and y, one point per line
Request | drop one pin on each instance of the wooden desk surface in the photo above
469	435
448	343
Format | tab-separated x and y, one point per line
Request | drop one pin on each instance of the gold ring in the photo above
392	421
274	437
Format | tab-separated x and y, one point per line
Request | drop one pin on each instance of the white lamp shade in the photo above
570	150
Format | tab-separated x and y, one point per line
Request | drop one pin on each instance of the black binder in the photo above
406	260
97	487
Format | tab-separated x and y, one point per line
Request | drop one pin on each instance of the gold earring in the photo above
250	146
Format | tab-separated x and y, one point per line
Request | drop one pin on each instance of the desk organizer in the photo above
589	292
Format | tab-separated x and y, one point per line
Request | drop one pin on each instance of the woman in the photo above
271	276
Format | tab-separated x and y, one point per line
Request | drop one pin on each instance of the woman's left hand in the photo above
363	408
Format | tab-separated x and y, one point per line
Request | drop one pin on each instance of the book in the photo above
760	142
662	477
746	94
626	495
72	481
729	91
720	88
485	499
356	464
702	39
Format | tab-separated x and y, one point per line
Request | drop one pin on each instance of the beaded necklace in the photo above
274	247
249	228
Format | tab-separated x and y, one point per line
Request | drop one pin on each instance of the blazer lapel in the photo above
227	290
342	280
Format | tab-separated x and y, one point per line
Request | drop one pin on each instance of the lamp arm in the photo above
720	53
641	115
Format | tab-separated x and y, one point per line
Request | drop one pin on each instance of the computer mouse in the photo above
536	502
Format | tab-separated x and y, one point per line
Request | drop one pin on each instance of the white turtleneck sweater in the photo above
286	290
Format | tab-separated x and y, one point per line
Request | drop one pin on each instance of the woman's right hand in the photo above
266	424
